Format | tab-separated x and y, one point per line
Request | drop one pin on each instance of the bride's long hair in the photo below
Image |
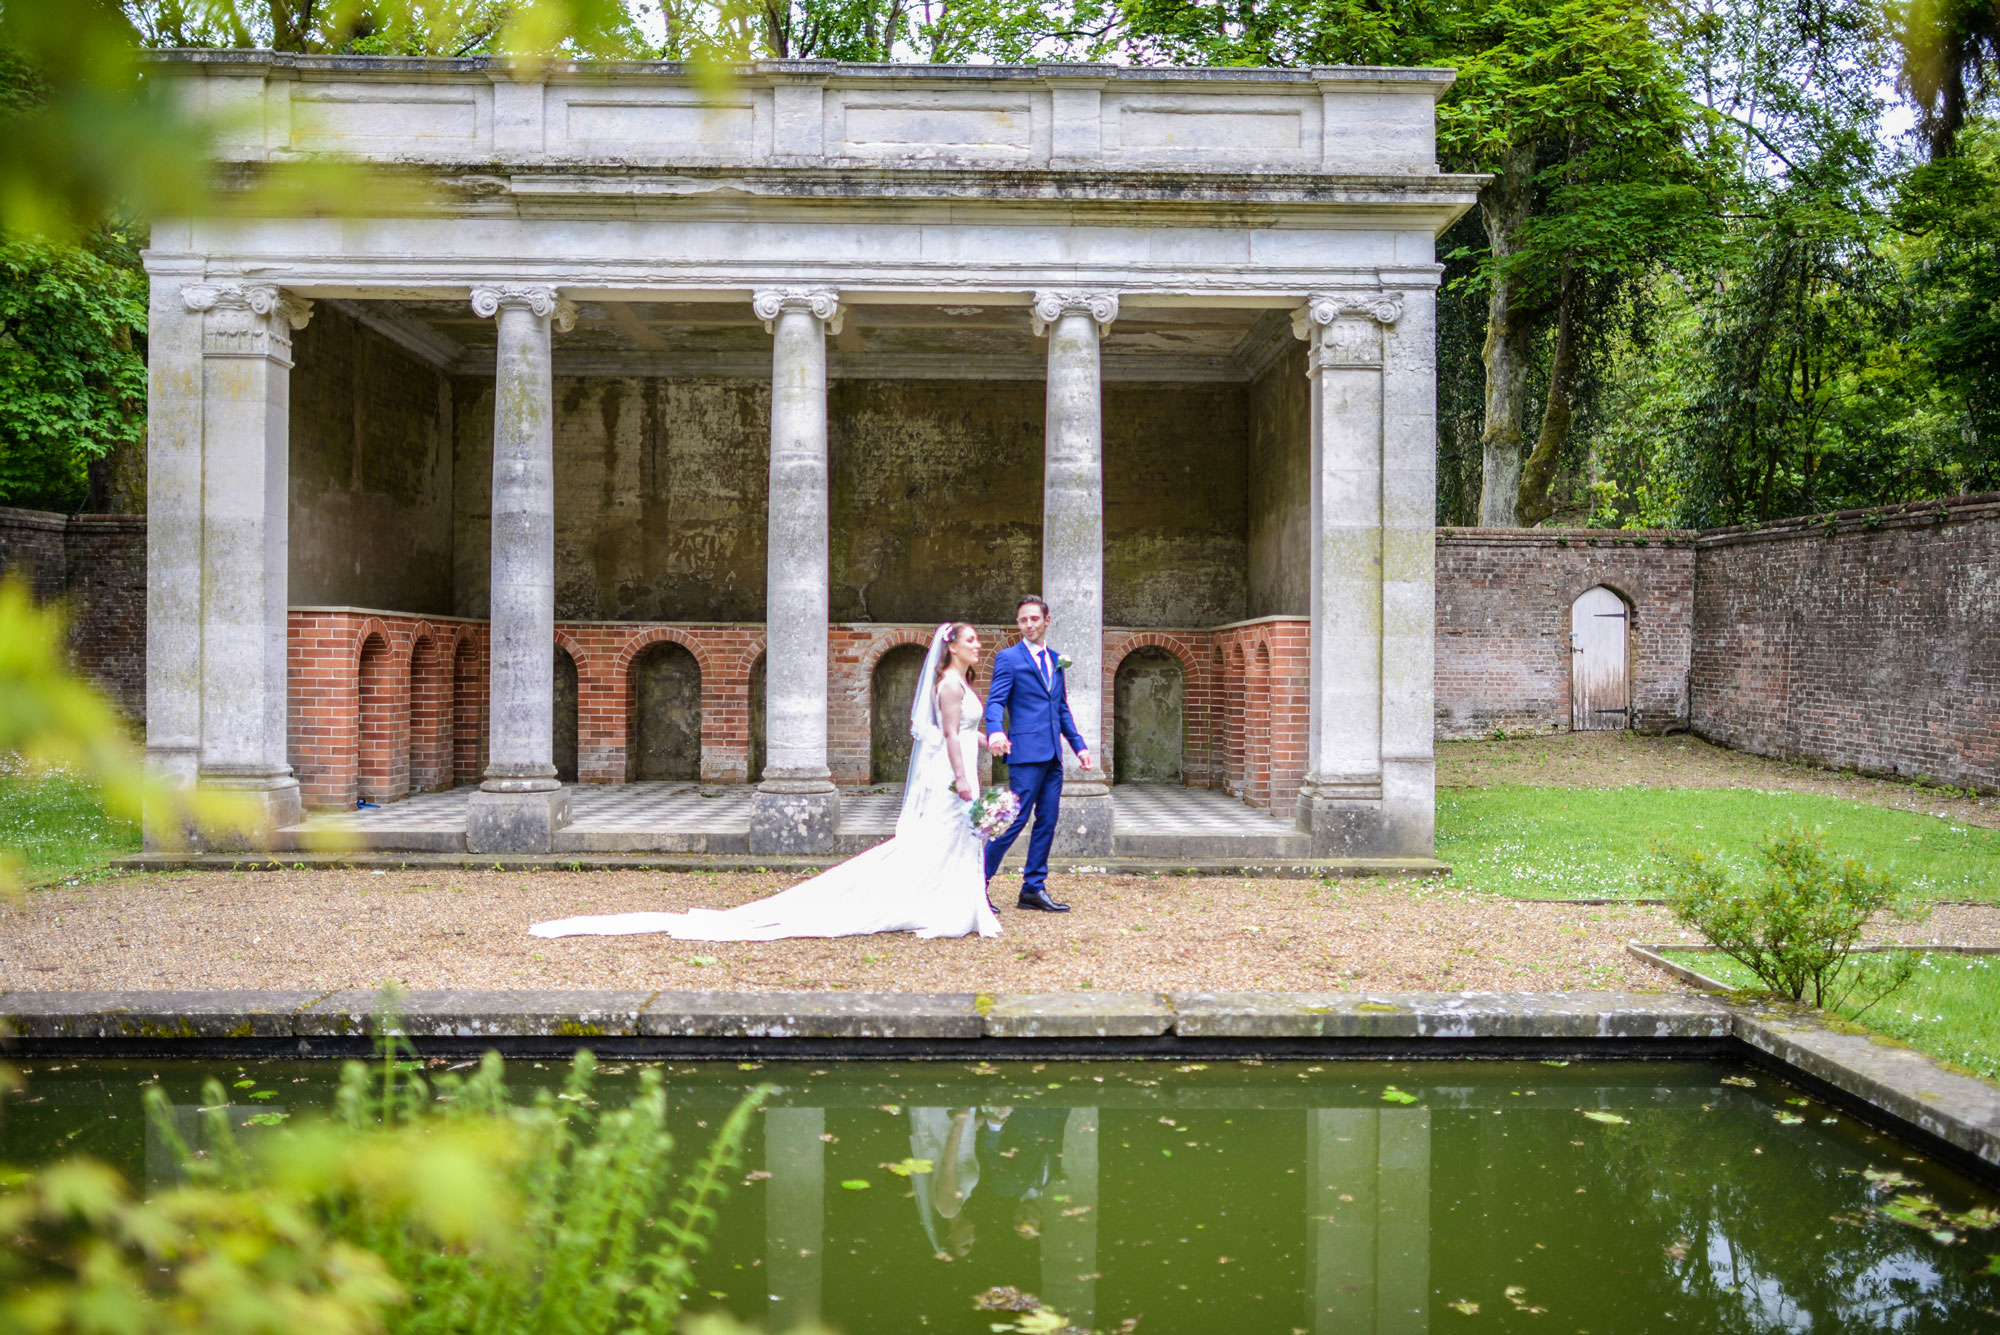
959	628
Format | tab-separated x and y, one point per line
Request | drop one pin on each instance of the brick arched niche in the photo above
468	707
756	766
892	689
431	722
382	768
664	716
565	688
1150	734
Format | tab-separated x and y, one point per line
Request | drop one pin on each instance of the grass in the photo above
59	829
1586	843
1951	1008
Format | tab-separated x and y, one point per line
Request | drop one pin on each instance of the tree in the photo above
72	374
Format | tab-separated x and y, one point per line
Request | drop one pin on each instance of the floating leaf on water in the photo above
1006	1298
757	1176
1192	1066
1608	1118
857	1184
1787	1119
1978	1218
1042	1321
909	1166
1550	1063
1464	1305
893	1109
1887	1179
265	1118
748	1066
1743	1080
1394	1095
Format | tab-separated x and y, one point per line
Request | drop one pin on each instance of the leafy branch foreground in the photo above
415	1208
1797	927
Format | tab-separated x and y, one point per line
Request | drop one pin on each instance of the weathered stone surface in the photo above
163	1015
479	1014
515	822
1961	1110
1540	1015
1079	1015
812	1015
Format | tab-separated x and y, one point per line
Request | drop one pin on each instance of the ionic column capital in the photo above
1345	328
247	319
540	300
1101	307
822	303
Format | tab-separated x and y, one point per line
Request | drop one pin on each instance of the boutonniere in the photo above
1062	662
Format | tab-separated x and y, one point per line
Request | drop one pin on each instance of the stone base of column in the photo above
1345	820
794	816
1394	818
1086	826
258	805
176	767
515	822
1409	807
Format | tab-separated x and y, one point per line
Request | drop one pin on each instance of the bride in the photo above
930	879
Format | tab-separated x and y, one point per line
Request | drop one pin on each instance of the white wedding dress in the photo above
929	879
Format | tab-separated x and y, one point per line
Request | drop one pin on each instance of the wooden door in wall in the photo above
1599	691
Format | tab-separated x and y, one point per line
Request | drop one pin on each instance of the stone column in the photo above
796	809
1409	576
173	530
1073	544
1340	803
245	552
520	803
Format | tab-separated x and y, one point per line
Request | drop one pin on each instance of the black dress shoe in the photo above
1039	899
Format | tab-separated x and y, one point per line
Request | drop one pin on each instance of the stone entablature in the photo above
1340	121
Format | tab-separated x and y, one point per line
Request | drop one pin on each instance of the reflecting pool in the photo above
1228	1196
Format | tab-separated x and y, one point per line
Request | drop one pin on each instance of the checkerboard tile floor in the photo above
1142	808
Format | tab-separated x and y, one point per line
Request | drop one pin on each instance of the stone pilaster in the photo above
1073	544
520	803
1340	803
245	552
1409	576
173	530
796	809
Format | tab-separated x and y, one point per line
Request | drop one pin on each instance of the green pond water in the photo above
1235	1196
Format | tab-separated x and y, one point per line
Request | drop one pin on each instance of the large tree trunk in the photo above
1533	505
1503	207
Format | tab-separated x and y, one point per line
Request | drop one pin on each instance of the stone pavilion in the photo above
626	444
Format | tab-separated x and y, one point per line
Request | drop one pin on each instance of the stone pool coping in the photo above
1948	1112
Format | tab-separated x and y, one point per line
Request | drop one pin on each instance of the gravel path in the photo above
430	930
1633	760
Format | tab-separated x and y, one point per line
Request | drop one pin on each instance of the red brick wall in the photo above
1867	640
379	701
1503	602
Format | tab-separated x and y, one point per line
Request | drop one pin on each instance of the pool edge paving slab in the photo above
1898	1085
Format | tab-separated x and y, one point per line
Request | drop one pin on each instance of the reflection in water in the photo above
1368	1219
1244	1196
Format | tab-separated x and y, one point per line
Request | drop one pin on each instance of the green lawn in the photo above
1951	1008
60	830
1565	843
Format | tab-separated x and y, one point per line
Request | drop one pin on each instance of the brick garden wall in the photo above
1503	604
97	565
1867	640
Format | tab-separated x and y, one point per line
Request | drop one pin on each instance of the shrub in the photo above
1797	926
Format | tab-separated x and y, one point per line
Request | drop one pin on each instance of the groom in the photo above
1028	681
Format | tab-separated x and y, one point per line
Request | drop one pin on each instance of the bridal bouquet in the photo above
993	812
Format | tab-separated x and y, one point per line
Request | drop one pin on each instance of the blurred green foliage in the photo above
409	1206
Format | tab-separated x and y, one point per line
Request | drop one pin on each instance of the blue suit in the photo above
1039	722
